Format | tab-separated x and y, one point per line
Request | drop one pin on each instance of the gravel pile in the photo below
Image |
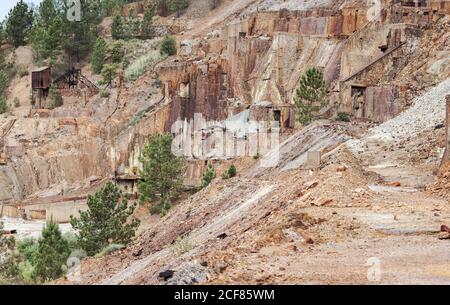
426	113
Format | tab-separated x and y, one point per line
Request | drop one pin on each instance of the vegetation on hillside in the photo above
169	46
99	55
161	174
311	96
34	261
107	221
208	176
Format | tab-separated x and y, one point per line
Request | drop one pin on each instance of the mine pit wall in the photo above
446	158
372	56
257	60
34	165
320	22
59	212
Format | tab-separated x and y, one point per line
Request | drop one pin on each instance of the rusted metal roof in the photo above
40	69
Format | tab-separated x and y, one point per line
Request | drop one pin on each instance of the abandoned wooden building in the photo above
41	82
70	83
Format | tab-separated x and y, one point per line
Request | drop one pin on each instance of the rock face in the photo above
447	133
249	64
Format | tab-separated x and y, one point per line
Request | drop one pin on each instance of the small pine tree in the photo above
148	31
53	251
107	220
117	28
55	99
4	108
162	171
208	176
311	96
98	55
168	46
109	73
117	52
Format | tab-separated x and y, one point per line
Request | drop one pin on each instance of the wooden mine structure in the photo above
74	83
71	83
40	83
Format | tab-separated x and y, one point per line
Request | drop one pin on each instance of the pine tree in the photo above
208	176
19	22
53	251
107	220
99	55
109	72
168	46
311	96
80	36
162	171
148	31
117	28
47	12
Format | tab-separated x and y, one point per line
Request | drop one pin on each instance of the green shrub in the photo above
109	73
230	173
110	249
22	70
181	246
117	52
4	108
4	82
105	93
16	102
208	176
55	99
28	248
343	117
168	46
139	66
160	209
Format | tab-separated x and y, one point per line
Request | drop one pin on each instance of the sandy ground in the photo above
26	229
